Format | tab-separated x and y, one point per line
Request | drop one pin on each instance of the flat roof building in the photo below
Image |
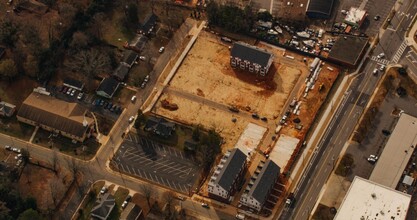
355	17
250	138
319	9
369	200
348	50
397	152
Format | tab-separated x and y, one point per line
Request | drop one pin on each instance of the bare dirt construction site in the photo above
205	85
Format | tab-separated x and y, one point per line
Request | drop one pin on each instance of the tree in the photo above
54	162
90	63
74	167
141	119
168	197
30	214
8	69
8	33
196	133
79	41
30	37
25	156
148	191
31	66
132	13
264	16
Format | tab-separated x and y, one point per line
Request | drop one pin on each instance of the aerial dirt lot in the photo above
206	72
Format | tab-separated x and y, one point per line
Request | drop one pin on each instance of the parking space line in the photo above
128	169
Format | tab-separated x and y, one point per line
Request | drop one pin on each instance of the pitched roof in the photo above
231	168
58	114
250	53
265	181
148	23
6	108
129	57
131	212
139	42
103	206
108	85
74	83
320	6
121	72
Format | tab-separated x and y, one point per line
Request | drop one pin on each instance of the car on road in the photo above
375	72
290	200
386	132
380	56
372	159
143	85
103	190
161	50
264	119
376	18
205	205
19	162
131	119
255	116
142	58
80	96
146	79
382	67
16	150
133	99
7	147
233	109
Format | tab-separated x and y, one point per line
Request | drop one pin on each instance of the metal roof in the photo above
323	7
231	168
265	181
250	53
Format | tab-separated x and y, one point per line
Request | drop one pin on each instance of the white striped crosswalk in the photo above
399	52
380	61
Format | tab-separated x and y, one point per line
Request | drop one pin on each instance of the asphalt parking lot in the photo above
164	165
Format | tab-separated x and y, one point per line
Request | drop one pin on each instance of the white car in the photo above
372	158
161	50
80	96
7	147
124	204
131	119
381	55
133	99
103	190
146	78
382	68
142	58
73	92
375	72
16	150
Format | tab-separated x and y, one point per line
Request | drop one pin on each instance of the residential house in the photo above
228	175
260	185
121	72
55	115
107	87
129	58
2	51
73	83
148	24
137	44
132	212
103	207
159	126
7	109
250	58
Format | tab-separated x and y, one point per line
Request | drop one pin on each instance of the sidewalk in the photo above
411	33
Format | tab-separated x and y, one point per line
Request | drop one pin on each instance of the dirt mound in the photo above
167	105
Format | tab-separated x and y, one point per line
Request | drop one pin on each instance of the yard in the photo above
44	185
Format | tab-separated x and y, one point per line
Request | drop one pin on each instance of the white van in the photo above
240	216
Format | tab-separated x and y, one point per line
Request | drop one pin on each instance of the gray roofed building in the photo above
148	24
129	58
320	8
131	212
103	206
121	72
55	115
348	50
7	109
73	83
226	178
159	126
107	87
251	58
139	42
260	185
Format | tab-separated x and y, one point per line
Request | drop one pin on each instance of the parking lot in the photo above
157	163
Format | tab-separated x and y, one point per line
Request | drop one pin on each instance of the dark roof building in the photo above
121	72
250	58
132	212
348	50
129	58
320	8
223	183
107	87
260	185
103	206
159	126
55	115
7	109
73	83
148	24
139	42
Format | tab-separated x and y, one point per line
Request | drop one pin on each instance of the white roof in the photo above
355	15
408	180
397	152
250	138
369	200
283	150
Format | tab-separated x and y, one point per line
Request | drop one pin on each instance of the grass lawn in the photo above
105	124
12	127
112	29
123	96
84	151
89	201
120	195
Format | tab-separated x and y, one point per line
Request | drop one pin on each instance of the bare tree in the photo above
148	191
74	167
168	197
56	188
54	162
90	63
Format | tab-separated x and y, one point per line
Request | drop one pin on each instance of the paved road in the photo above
346	117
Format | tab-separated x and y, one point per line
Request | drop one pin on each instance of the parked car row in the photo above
145	81
14	149
107	105
18	157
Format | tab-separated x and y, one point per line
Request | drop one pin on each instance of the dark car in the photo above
62	89
110	105
101	102
255	116
386	132
128	198
65	90
264	119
